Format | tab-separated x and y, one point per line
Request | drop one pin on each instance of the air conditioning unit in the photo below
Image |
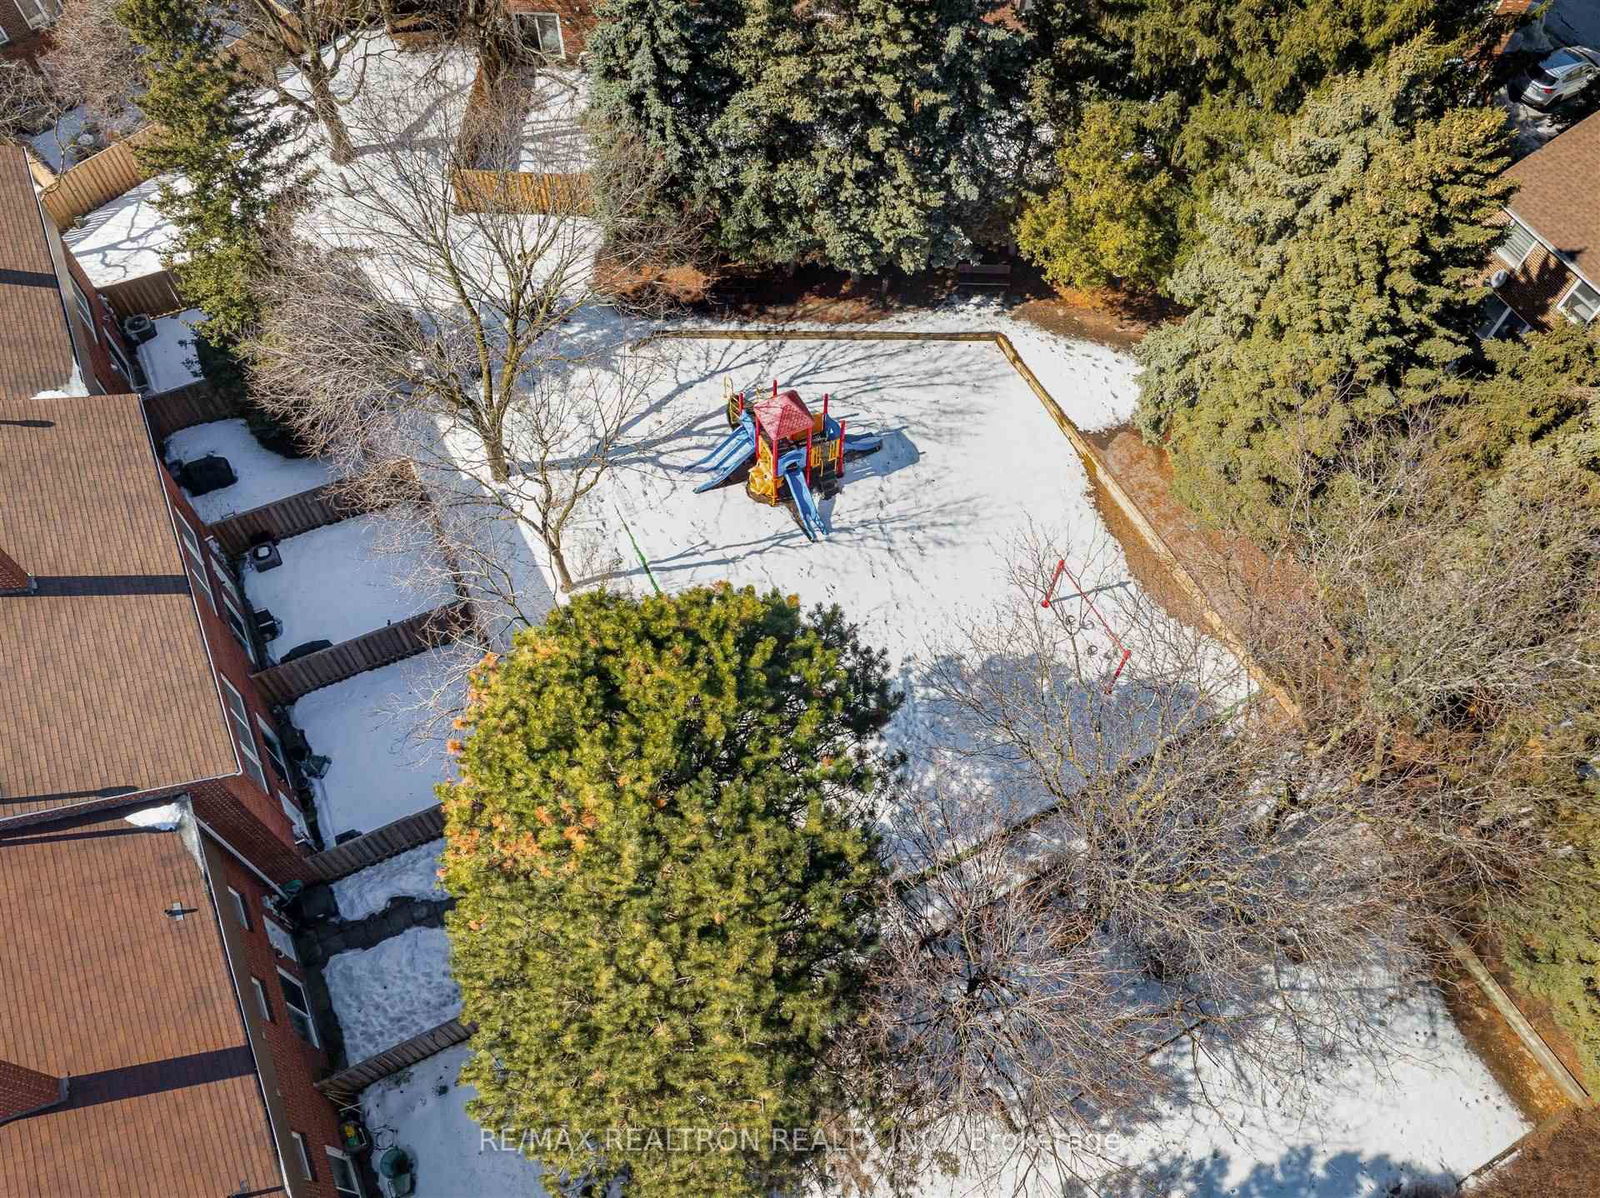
1499	279
265	556
267	624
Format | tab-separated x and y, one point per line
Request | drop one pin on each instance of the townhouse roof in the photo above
36	352
135	1008
106	682
1557	195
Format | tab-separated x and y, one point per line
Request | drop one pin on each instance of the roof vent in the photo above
1499	279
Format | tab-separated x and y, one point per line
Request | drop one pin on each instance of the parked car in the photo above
1562	75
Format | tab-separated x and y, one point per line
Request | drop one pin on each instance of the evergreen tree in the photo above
230	158
665	881
1110	218
661	71
870	135
1202	85
1332	289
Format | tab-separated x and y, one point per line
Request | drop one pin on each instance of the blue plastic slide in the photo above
792	466
733	452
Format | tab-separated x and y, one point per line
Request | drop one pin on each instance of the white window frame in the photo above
1500	248
239	714
274	749
241	909
197	560
263	1003
4	37
120	360
532	19
297	817
305	1026
305	1156
1505	311
85	308
44	14
232	600
281	939
354	1177
1561	304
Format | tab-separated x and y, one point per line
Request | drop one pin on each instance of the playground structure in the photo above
1052	601
791	456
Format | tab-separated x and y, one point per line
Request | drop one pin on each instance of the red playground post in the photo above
1049	594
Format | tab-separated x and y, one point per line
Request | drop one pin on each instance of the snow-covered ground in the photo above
412	874
122	240
344	579
397	989
424	1111
924	531
386	744
62	138
170	359
263	476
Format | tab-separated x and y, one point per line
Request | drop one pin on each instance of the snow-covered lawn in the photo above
412	874
344	579
923	532
397	989
170	359
386	745
424	1111
122	240
263	476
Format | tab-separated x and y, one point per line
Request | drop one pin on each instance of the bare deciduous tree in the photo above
1094	872
27	99
315	37
94	62
428	324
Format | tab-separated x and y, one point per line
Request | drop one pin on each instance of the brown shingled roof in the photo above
136	1008
107	682
36	350
1558	194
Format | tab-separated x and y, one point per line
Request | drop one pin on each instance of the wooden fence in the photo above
283	684
520	191
154	295
284	518
183	407
97	180
346	1085
407	832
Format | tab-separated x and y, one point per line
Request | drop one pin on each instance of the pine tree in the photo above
661	71
1332	289
1110	218
231	160
869	135
1198	86
665	881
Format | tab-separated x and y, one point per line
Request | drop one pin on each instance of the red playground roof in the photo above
787	413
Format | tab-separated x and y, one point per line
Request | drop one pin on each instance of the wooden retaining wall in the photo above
355	854
283	684
96	181
184	407
154	295
344	1087
283	518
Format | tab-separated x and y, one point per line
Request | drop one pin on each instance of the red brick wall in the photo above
289	1076
11	20
106	331
248	812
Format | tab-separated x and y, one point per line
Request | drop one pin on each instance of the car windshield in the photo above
1560	62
